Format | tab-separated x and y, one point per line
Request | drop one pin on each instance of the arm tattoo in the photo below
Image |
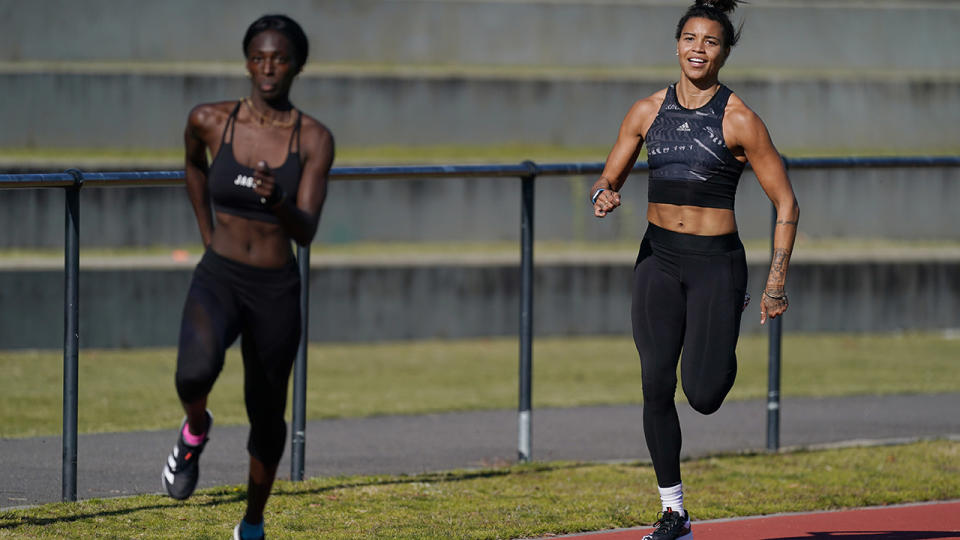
780	258
778	269
786	222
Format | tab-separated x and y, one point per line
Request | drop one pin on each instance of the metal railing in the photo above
73	180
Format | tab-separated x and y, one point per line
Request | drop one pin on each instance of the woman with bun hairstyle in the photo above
689	284
267	183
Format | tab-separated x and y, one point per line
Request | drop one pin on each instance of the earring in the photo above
676	53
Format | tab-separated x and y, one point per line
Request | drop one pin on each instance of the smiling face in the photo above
271	64
701	49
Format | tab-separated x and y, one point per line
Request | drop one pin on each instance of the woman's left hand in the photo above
772	306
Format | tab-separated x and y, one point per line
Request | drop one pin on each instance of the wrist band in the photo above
593	200
781	297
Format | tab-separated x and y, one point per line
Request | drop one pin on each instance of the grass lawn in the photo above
123	390
624	249
519	501
510	153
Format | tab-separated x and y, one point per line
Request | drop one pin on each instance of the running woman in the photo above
690	277
267	184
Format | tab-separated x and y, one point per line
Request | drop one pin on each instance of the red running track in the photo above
926	521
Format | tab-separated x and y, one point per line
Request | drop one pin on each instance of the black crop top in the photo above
690	163
231	184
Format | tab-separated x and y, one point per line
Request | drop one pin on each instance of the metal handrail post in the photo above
71	334
775	333
298	435
526	316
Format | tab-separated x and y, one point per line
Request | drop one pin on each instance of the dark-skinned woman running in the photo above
267	184
690	277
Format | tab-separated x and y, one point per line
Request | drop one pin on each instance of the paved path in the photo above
118	464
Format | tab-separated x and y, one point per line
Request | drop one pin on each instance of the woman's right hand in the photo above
265	185
772	306
624	153
606	201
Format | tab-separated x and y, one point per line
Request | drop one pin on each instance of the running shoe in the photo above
671	526
236	534
182	469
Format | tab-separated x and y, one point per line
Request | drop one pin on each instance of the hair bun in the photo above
726	6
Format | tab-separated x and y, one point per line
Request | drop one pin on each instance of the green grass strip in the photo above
625	249
520	501
509	152
125	390
347	156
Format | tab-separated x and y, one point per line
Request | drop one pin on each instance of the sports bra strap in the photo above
231	124
722	97
295	133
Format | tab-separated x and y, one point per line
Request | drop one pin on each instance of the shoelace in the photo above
667	521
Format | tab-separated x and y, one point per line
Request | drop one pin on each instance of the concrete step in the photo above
434	256
148	111
895	34
842	74
141	307
902	204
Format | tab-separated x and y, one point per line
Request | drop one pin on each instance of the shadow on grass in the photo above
438	477
8	521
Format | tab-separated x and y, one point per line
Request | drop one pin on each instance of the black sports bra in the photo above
231	184
690	163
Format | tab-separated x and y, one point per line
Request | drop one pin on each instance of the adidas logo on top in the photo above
684	127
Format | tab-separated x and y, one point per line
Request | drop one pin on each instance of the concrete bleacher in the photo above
125	303
783	34
831	77
829	74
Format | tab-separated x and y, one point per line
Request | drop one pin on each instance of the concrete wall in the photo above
123	308
148	111
887	35
906	204
838	74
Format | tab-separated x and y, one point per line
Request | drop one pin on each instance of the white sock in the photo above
672	498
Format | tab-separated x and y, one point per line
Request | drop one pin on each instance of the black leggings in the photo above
229	299
688	294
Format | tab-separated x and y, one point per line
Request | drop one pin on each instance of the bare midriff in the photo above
692	219
252	242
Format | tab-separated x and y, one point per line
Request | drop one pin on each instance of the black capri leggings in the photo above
229	299
688	294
